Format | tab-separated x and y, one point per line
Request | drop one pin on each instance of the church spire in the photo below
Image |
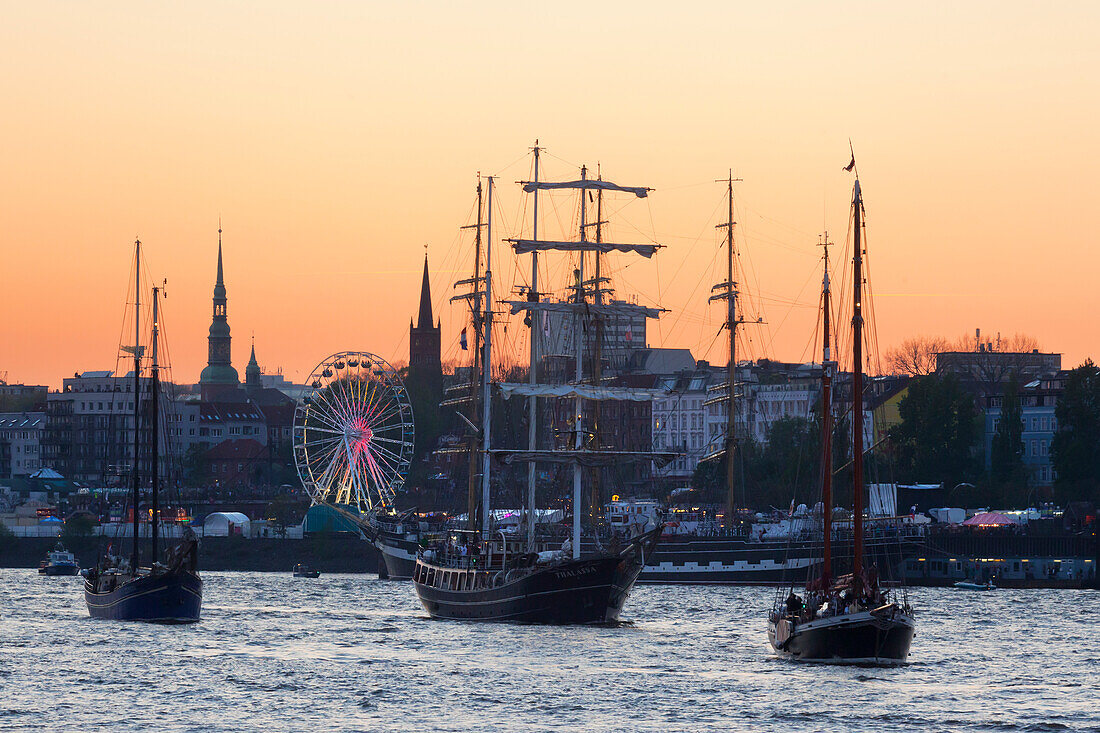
221	278
219	371
425	319
252	371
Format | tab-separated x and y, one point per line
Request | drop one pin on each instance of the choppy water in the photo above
349	652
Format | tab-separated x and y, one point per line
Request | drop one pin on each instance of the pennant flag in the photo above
462	340
851	165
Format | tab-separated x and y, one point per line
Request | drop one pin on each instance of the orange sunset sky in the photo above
335	139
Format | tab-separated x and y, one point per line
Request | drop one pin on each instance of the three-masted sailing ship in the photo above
167	589
853	618
477	574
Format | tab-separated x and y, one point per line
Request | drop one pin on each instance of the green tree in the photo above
938	432
1007	470
1075	449
196	466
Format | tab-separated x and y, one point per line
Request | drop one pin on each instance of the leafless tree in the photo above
916	356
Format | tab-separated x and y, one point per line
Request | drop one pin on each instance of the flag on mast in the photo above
852	164
462	340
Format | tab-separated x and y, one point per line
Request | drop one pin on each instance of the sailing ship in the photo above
476	574
853	618
168	589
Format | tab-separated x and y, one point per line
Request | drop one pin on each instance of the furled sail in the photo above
583	391
524	246
585	184
607	309
583	457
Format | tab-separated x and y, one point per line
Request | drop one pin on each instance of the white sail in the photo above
608	309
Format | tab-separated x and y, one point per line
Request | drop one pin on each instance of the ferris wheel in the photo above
353	432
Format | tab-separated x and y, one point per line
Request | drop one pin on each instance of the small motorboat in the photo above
59	562
304	571
971	585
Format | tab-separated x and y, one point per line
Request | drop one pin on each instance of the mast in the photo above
827	366
532	372
136	556
486	365
472	483
154	399
597	351
578	440
730	296
857	387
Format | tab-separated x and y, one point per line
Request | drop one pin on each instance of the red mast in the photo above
857	388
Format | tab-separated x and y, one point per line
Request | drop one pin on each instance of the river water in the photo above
352	653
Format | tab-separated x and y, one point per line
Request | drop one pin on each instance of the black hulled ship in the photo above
479	574
854	618
168	589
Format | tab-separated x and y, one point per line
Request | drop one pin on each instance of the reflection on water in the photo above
349	652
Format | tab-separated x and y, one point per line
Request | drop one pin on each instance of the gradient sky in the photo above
336	139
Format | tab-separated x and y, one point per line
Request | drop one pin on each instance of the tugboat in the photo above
851	619
478	575
59	561
304	571
121	588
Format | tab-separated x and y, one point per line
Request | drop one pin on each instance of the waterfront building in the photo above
21	443
1038	401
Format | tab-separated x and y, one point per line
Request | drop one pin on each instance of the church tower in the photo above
252	381
425	382
424	341
219	375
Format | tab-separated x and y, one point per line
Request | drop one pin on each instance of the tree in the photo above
196	466
916	356
1075	450
1007	451
938	432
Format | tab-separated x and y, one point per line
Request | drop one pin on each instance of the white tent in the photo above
224	524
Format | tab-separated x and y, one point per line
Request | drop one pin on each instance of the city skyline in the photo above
330	176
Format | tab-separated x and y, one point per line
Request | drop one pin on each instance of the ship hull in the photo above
54	570
576	592
865	637
398	556
681	560
169	598
589	590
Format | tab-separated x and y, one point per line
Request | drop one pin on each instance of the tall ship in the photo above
843	617
481	572
167	587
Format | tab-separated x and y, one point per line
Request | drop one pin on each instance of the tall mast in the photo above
136	556
154	398
578	440
486	365
730	296
472	487
857	387
597	350
532	372
827	366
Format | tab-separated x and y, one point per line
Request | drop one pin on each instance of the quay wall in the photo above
333	553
